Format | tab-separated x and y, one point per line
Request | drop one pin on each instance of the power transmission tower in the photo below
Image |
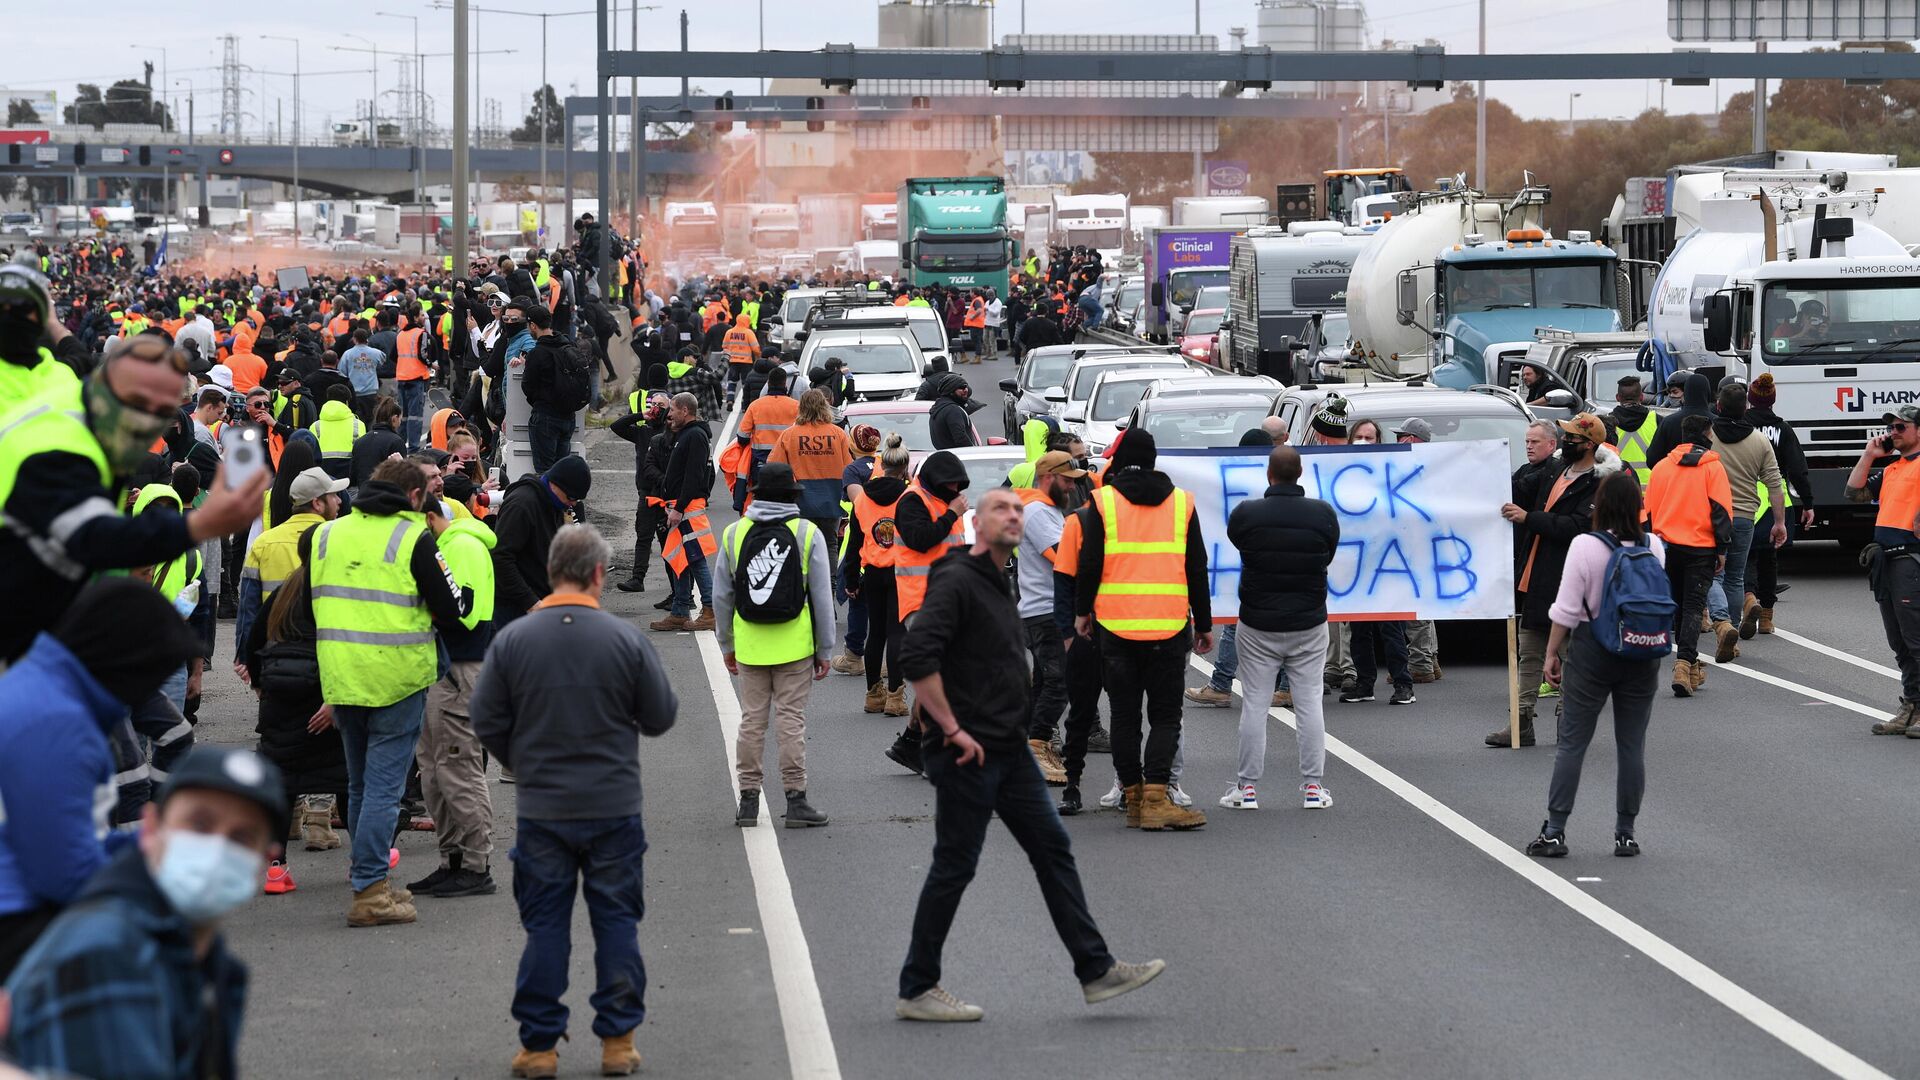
230	70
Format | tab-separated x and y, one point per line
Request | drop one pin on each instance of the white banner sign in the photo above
1421	536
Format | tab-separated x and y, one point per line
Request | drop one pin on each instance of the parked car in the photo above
1024	396
909	418
1115	392
1196	421
1456	415
1070	402
1200	335
883	359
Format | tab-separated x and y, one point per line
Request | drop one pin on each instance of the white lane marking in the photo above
803	1018
1837	654
1789	684
1809	1043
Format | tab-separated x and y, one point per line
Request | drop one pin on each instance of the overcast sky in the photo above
64	50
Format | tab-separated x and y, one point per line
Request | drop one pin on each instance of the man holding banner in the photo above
1286	542
1143	569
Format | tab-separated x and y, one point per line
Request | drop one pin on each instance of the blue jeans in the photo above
697	569
1729	593
549	438
379	744
413	408
605	855
1226	662
967	797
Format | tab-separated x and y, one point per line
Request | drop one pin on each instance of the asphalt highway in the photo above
1398	934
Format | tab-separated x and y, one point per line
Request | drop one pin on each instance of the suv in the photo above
1069	402
1456	415
856	305
883	358
1045	368
1115	392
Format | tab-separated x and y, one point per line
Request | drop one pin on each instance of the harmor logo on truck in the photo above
1855	399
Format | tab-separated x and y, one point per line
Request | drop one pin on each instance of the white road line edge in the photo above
1837	654
803	1017
1811	1044
1789	684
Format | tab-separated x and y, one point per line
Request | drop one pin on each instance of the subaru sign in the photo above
1227	177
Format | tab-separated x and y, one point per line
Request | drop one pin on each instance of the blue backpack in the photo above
1635	620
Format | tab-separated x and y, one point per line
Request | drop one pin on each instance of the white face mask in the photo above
205	877
1365	440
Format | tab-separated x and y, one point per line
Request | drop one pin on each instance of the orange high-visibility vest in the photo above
1143	577
766	418
879	550
409	366
976	314
740	344
694	526
337	327
910	567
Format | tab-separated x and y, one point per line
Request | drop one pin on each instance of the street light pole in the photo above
460	136
1570	98
419	103
1480	113
296	132
373	103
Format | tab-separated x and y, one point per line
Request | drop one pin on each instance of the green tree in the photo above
128	101
529	132
19	111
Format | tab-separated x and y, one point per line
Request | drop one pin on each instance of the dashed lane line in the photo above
803	1018
1811	1044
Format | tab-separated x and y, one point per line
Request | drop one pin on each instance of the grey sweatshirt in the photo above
564	693
819	581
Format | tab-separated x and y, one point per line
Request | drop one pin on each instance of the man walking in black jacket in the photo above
645	422
549	420
689	534
1286	541
534	509
965	639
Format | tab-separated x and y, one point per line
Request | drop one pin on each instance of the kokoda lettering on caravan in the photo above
1421	535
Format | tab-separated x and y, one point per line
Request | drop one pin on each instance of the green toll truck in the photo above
953	231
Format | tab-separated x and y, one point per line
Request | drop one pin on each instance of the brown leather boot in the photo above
316	823
1749	618
1682	678
1699	674
376	905
1051	770
1726	641
536	1064
618	1057
876	698
705	621
1764	620
1900	724
896	702
1158	812
1135	798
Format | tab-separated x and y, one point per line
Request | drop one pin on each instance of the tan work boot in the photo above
1749	618
1158	812
1207	695
671	623
896	702
1764	620
536	1064
1901	723
1051	770
876	698
1682	678
848	664
1135	798
376	905
316	823
705	621
1699	675
618	1057
1283	699
1726	637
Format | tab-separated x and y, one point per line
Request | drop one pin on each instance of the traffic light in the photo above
723	104
79	153
226	157
815	104
146	155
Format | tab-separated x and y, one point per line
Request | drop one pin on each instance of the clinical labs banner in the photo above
1421	536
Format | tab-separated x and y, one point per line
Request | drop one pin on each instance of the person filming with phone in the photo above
1888	473
65	457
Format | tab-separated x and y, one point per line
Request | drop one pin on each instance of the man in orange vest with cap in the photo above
1889	471
1690	506
1142	590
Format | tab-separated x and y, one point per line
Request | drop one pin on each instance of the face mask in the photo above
124	432
1365	440
1572	450
19	338
205	877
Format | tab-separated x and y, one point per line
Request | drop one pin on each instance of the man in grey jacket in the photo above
778	656
563	692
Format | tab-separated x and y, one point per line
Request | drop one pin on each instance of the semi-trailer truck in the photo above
953	231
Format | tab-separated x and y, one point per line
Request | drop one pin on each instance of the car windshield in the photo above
1047	369
1204	322
1214	425
1211	296
1096	238
1128	295
878	358
1083	378
1829	322
1184	286
1334	333
913	427
960	253
1115	398
1547	285
987	473
794	311
929	332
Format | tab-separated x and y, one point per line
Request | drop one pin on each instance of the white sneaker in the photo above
938	1006
1240	797
1317	797
1178	797
1112	798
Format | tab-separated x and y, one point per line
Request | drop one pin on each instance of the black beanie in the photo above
1135	449
127	636
656	377
571	475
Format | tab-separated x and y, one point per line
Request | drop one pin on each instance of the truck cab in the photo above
1492	295
954	232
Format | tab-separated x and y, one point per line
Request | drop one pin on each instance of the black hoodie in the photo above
944	476
1696	402
947	421
886	491
1142	487
969	633
1786	448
